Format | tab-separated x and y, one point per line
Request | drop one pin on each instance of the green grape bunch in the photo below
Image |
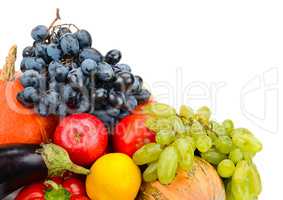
181	136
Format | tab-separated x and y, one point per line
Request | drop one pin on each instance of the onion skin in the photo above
201	183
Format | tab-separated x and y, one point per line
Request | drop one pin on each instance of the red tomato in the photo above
84	137
131	134
74	186
79	197
33	192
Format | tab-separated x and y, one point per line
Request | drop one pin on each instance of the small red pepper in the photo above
32	192
56	188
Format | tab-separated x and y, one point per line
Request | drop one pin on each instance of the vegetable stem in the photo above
79	170
8	71
58	161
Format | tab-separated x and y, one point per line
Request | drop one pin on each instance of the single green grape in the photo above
248	155
254	181
187	161
185	148
236	155
147	154
191	142
150	123
177	125
229	195
240	181
163	124
183	145
224	144
213	156
212	136
197	129
226	168
160	110
167	165
165	137
186	112
228	125
218	128
203	115
246	183
150	174
203	143
246	141
240	131
185	133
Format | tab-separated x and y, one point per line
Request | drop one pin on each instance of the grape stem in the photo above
69	25
56	19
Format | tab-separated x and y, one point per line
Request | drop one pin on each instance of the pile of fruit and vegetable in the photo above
79	125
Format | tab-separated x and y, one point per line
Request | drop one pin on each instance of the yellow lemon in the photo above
113	176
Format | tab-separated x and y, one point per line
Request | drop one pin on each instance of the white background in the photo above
230	55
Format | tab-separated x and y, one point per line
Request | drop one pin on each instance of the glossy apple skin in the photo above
84	136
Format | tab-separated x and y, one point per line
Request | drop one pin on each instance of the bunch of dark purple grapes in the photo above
63	74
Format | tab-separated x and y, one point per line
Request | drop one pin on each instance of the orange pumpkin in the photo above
17	123
201	183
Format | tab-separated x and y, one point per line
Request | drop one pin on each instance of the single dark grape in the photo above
54	52
131	103
41	51
62	109
136	87
143	96
100	96
84	38
42	108
82	104
76	77
104	72
124	81
113	57
90	53
30	95
61	73
42	83
62	31
28	52
69	44
30	78
53	85
39	33
68	93
37	64
23	64
89	66
52	101
113	112
122	68
105	117
119	84
123	114
116	99
52	68
20	98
